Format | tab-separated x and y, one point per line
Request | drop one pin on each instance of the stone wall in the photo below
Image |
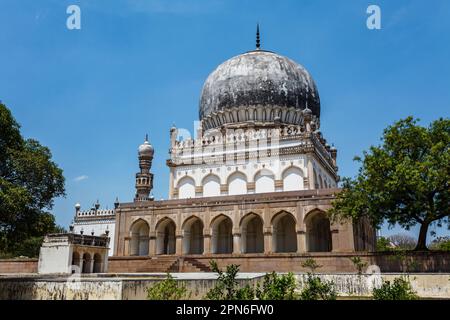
18	265
433	261
134	287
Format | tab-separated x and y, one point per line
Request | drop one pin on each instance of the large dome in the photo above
254	81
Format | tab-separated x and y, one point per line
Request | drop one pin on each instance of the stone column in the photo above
236	243
179	244
267	242
301	241
335	243
310	174
126	248
207	244
91	264
152	245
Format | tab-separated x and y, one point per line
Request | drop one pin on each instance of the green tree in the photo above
405	180
167	289
400	289
277	287
29	181
441	243
227	287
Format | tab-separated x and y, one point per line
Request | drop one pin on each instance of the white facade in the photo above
97	222
245	163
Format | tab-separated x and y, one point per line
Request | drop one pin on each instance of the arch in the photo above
86	263
165	236
193	235
75	261
186	188
211	185
139	238
221	235
237	183
284	235
252	237
292	179
264	181
97	263
318	232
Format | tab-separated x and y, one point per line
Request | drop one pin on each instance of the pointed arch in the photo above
193	235
186	187
318	231
284	235
211	185
252	237
264	181
237	183
292	178
165	236
221	234
139	232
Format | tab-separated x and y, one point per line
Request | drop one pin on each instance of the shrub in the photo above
440	243
167	289
359	264
311	264
316	289
226	287
400	289
277	287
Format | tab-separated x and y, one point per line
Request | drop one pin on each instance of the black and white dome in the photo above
258	86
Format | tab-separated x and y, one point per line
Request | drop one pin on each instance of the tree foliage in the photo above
227	287
400	289
405	180
29	181
277	287
168	289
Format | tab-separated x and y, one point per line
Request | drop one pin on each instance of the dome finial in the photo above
146	137
258	45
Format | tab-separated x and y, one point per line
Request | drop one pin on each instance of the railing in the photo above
79	239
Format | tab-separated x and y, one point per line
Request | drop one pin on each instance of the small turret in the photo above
144	179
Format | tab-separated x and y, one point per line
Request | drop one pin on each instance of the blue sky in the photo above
136	67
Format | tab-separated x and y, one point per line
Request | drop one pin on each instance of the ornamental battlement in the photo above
94	211
237	145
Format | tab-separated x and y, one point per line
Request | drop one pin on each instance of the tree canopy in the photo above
29	181
405	180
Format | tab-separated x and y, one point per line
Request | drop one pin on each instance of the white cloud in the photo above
81	178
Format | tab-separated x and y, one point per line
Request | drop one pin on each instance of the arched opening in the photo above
211	186
97	263
193	236
86	263
75	262
165	237
237	183
318	233
264	181
284	235
222	237
186	188
292	179
252	238
139	238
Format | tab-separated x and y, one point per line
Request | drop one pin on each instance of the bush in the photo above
440	243
226	287
277	287
315	289
384	244
359	264
167	289
400	289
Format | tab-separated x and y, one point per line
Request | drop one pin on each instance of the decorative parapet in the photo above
78	239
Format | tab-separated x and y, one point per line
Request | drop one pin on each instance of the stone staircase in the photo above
193	265
158	264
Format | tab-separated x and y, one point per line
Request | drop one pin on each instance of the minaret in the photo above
144	179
